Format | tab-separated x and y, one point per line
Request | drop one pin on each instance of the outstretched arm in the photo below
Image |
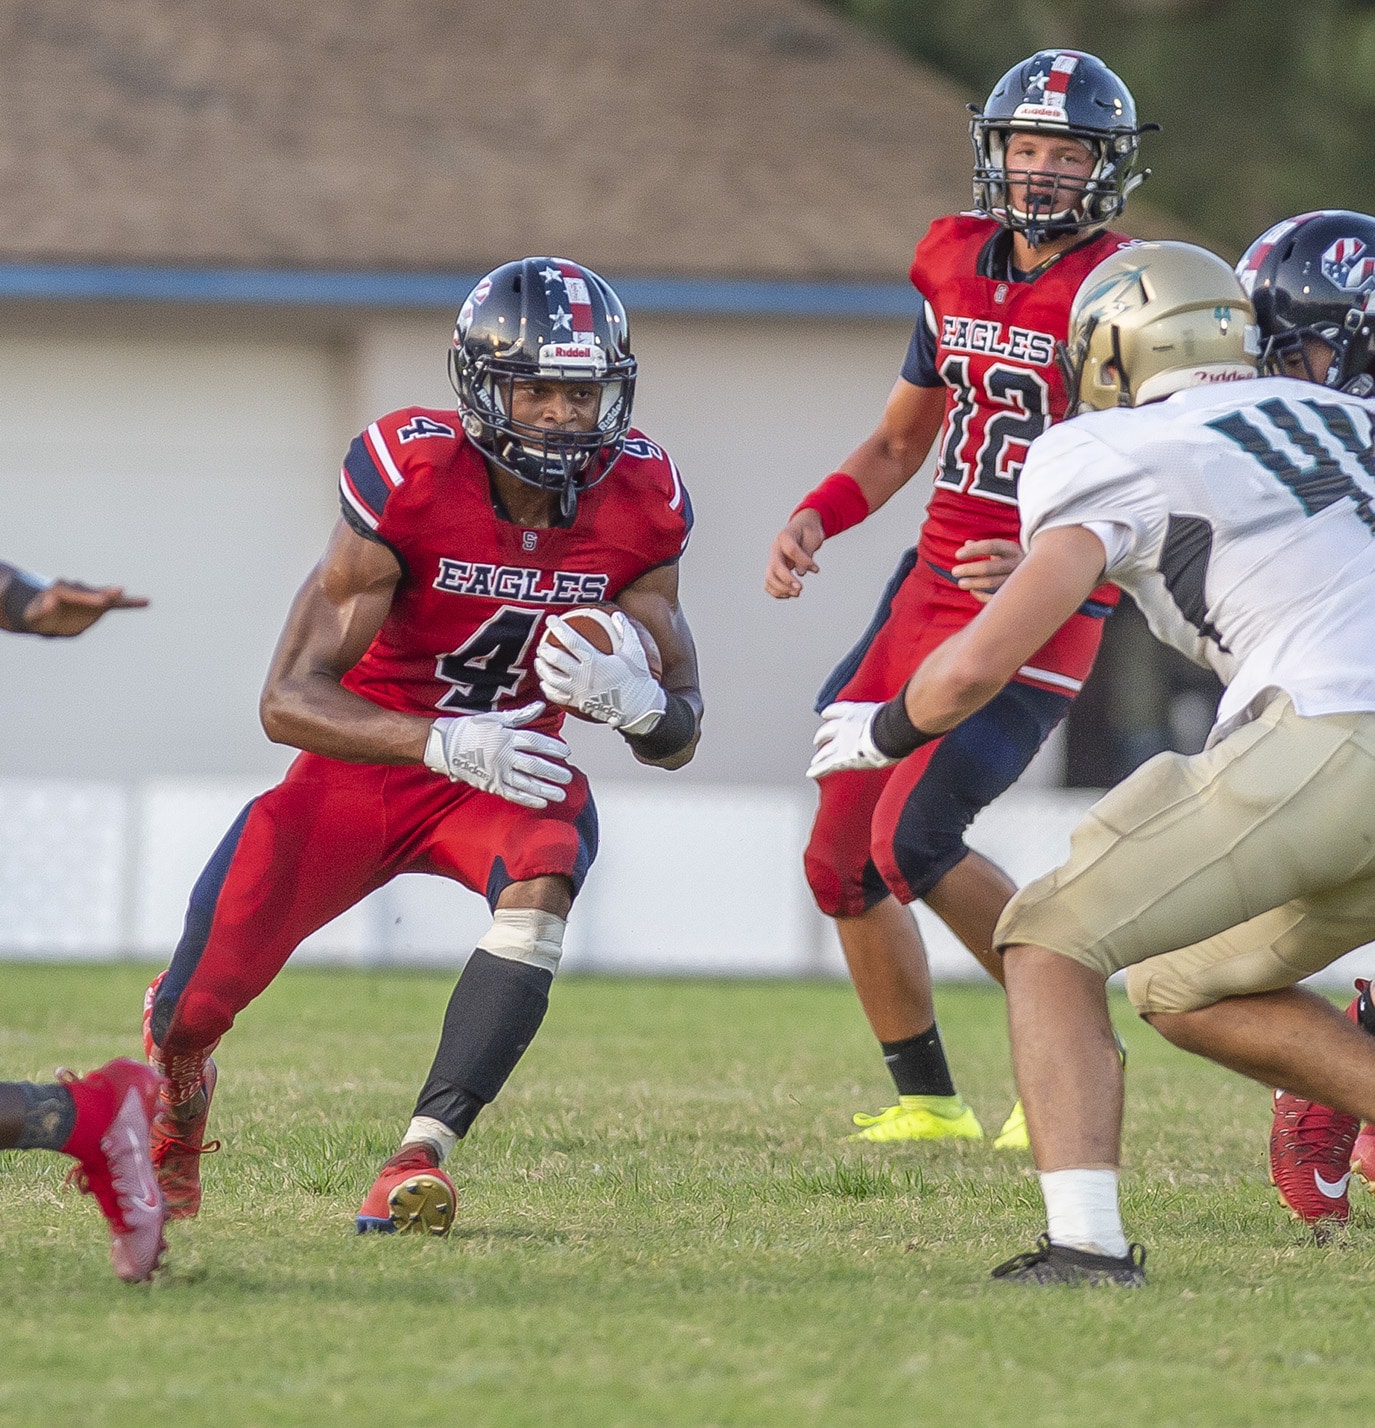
963	674
56	608
1060	572
880	466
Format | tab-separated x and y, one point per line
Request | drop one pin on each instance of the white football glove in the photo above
615	689
845	740
495	753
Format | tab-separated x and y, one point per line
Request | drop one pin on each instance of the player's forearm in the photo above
1045	589
881	467
320	716
678	735
949	687
887	459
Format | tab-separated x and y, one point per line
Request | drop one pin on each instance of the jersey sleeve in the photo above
663	507
919	366
1072	478
369	475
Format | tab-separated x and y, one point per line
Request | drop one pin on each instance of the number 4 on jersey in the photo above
491	663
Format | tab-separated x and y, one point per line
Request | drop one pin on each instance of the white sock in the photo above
1082	1211
436	1133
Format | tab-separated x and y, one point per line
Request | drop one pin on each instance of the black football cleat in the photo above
1059	1264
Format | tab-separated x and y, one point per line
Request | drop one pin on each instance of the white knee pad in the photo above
525	934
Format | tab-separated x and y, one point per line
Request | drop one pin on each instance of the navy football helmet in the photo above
551	319
1314	276
1062	93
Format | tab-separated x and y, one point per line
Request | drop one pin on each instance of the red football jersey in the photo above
475	589
995	352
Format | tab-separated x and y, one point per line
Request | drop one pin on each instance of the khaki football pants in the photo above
1238	870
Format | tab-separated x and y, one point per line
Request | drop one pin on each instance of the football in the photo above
594	624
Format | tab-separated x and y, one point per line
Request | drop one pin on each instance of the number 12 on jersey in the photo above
988	431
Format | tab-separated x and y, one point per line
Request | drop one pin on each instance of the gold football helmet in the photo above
1155	318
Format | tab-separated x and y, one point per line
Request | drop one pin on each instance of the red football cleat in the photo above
114	1106
1310	1159
178	1142
177	1146
411	1195
1314	1150
1362	1012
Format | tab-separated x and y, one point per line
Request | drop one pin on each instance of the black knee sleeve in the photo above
493	1015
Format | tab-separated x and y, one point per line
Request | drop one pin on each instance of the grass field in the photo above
661	1224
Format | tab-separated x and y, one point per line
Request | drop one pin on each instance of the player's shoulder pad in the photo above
381	458
945	239
658	487
1080	449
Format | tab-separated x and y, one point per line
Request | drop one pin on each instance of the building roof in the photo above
755	140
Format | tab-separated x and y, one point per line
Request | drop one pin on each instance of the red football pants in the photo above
325	837
899	830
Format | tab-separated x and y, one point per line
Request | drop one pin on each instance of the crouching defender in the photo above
410	672
1241	518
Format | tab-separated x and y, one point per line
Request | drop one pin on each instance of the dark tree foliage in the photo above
1267	107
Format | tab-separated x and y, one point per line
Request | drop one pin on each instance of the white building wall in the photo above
192	470
194	459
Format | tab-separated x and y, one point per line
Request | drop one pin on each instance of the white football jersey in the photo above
1241	519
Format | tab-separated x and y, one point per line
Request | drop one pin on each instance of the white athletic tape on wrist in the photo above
435	758
525	934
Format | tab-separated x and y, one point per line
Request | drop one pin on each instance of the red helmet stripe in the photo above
1058	80
579	296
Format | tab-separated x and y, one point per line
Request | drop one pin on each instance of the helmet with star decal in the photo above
550	320
1068	94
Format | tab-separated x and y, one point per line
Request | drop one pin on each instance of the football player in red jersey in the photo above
101	1119
1056	148
411	673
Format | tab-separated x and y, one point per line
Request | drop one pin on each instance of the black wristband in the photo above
671	735
894	734
18	592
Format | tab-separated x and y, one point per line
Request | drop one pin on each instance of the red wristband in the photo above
838	501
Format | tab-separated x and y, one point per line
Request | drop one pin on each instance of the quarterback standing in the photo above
415	675
1239	513
1056	147
100	1119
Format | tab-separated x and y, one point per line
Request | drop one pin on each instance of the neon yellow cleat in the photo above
1013	1135
920	1118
